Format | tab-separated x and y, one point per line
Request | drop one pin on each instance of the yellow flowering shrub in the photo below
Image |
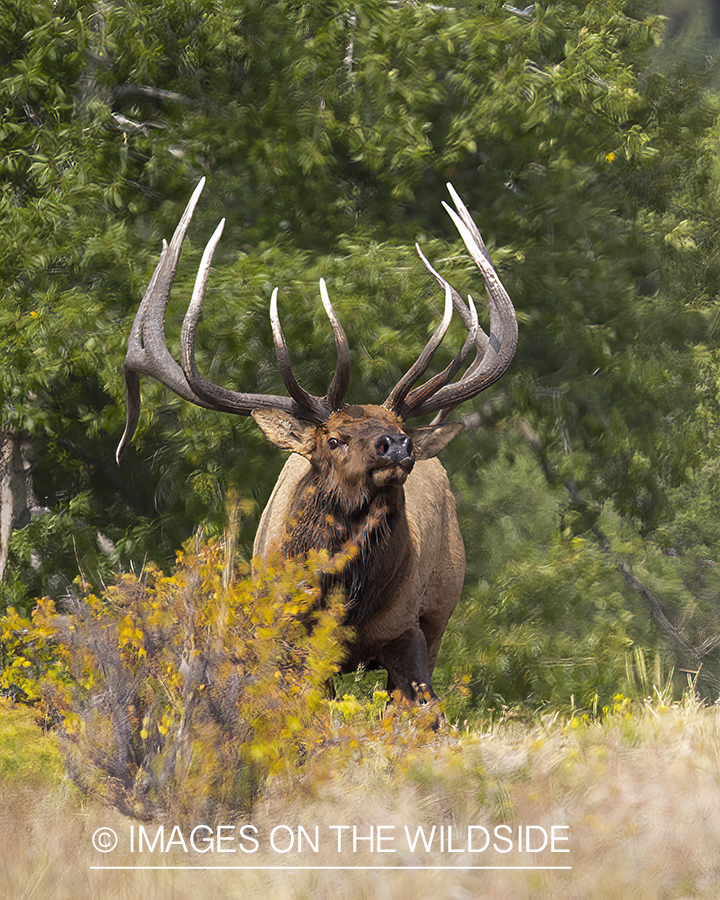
183	693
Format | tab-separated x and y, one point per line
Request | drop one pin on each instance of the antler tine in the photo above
467	221
312	407
420	394
499	347
398	394
189	326
476	337
341	378
461	309
216	397
147	351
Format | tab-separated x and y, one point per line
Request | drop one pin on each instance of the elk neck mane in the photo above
369	539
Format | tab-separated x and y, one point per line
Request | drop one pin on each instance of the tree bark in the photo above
17	499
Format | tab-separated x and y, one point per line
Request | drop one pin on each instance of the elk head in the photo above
360	449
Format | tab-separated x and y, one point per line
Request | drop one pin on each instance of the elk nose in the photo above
396	448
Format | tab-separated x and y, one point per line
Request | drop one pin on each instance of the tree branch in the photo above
144	90
688	657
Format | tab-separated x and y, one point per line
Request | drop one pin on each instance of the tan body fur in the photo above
429	585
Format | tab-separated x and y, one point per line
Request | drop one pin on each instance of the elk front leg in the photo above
406	661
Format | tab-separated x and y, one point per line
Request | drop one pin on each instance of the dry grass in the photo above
640	794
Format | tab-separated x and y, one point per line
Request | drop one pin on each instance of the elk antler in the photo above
492	354
148	353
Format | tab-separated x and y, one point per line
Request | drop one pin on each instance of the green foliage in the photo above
28	757
328	131
690	39
552	617
547	618
554	625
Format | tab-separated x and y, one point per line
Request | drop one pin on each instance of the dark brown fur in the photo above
373	537
351	501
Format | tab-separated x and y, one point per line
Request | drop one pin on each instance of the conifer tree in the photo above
327	132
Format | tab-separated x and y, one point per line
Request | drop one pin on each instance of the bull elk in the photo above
359	483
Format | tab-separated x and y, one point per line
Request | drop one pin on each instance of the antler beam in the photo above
148	353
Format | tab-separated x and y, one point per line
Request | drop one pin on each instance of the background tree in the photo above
328	132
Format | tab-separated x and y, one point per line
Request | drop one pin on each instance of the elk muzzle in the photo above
394	459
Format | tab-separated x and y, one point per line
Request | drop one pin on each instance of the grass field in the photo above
637	797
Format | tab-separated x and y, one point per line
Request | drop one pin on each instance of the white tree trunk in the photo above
17	499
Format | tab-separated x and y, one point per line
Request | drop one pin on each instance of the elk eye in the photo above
334	443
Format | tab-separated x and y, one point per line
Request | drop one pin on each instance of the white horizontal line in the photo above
337	868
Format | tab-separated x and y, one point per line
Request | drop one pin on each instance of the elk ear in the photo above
285	431
429	440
